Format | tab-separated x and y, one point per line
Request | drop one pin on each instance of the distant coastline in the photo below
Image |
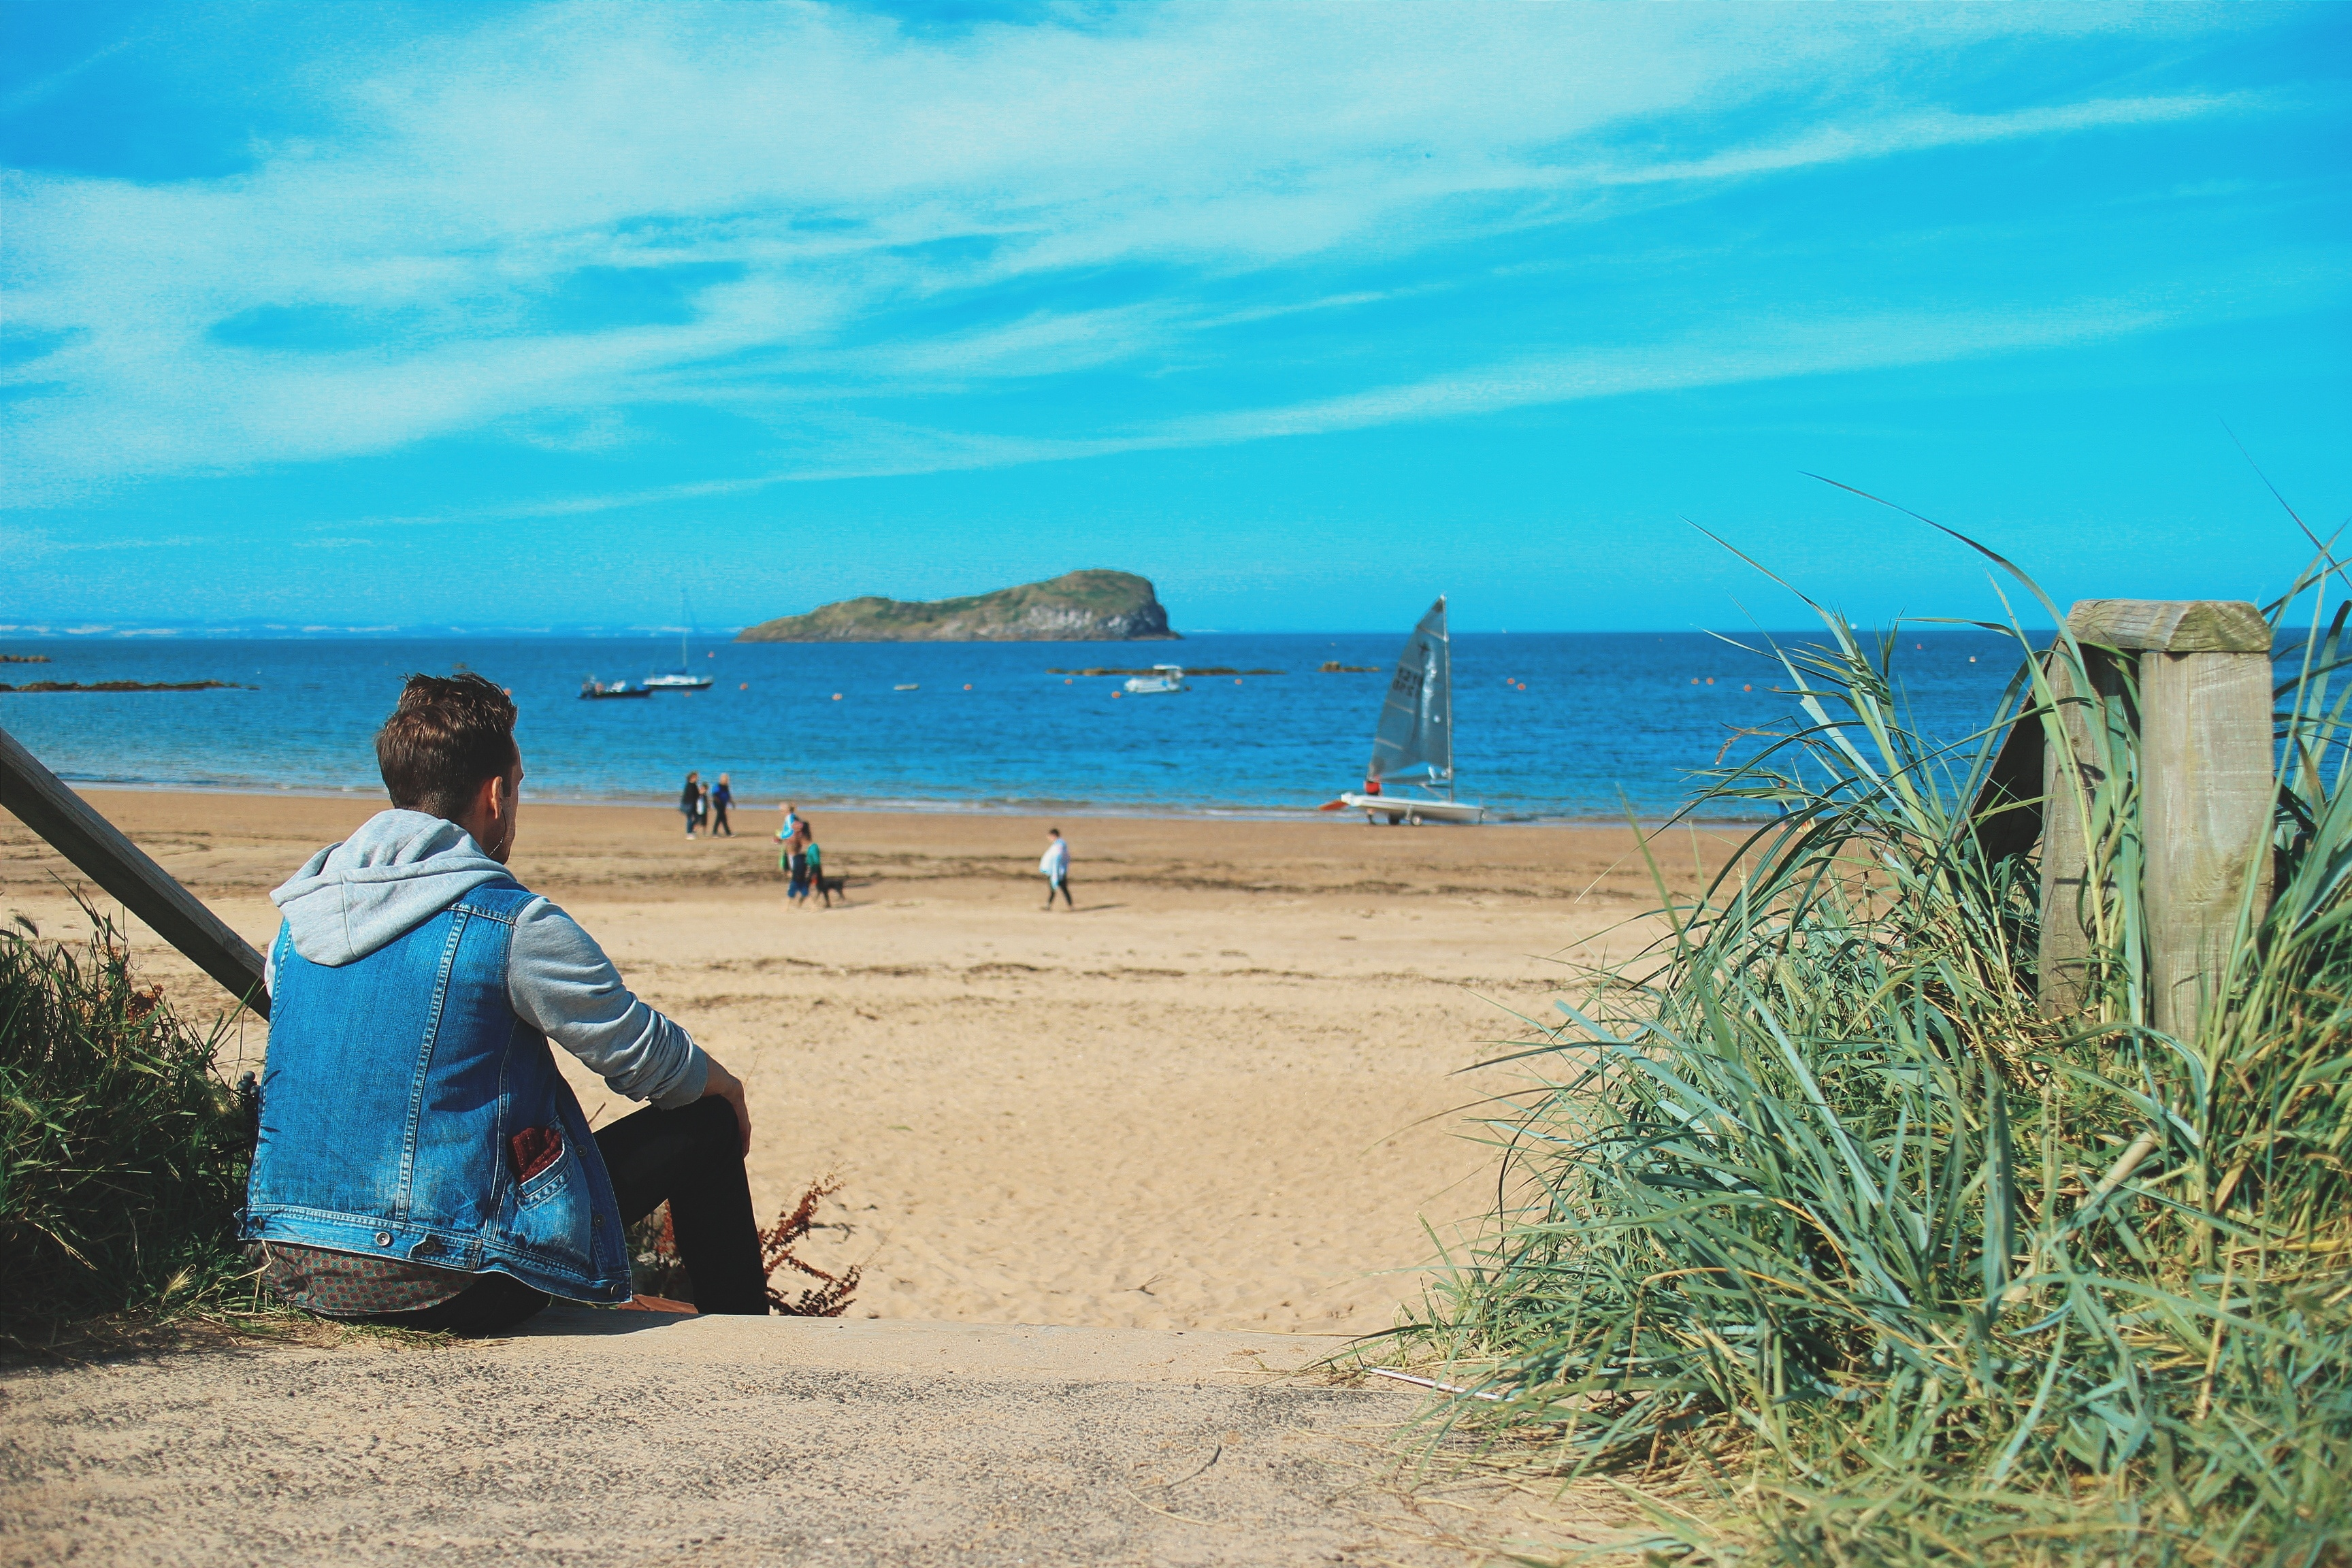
32	687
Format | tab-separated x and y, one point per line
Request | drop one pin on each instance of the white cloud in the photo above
1759	351
859	176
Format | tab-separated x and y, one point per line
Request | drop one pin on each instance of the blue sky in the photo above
522	316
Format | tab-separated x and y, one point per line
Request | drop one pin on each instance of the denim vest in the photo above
406	1112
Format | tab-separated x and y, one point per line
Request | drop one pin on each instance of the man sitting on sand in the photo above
422	1163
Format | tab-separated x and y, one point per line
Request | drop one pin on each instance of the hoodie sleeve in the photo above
561	984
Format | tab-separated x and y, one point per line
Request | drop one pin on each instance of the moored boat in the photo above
683	677
594	690
1163	677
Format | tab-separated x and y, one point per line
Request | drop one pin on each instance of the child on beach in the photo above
1055	865
787	833
814	857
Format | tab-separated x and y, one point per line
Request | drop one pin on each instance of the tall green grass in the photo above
122	1154
1816	1210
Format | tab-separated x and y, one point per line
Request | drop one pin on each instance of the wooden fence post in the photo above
41	801
2207	790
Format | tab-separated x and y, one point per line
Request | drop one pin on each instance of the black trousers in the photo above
691	1159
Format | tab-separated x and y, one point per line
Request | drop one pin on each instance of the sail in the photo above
1416	728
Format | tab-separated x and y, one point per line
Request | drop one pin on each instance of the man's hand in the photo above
729	1088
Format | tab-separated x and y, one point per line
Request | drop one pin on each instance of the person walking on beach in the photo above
787	833
796	861
421	1161
721	798
1055	865
689	801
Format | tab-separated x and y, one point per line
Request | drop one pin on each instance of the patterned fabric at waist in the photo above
347	1285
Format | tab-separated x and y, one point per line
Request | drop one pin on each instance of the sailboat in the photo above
1413	743
685	680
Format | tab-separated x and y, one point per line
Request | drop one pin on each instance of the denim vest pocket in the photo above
549	1181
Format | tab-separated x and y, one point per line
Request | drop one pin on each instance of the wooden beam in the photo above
41	800
2075	911
2170	625
2005	817
2207	797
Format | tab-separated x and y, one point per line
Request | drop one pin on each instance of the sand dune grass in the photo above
122	1152
1815	1216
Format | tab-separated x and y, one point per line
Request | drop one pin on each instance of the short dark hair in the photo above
449	734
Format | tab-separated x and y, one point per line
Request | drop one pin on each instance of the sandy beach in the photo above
1228	1091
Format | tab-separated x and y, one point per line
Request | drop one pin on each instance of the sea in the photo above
1568	727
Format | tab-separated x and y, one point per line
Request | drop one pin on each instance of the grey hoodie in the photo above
404	867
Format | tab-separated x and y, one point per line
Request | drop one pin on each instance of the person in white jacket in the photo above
1055	865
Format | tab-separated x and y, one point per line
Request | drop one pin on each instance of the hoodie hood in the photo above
396	873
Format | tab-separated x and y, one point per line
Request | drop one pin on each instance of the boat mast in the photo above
1446	686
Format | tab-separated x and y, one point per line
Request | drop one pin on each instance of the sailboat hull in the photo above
1405	808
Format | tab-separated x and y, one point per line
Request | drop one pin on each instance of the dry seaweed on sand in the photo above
659	1271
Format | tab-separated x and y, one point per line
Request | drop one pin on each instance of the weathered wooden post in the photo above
2207	794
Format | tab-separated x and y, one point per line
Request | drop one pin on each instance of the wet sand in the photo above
1228	1091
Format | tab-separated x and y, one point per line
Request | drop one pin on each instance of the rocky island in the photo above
1082	606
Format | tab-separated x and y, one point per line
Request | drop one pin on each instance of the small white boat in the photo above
1163	677
1413	743
683	679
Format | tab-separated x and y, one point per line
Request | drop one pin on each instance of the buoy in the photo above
1066	681
1972	659
1114	696
967	685
1710	681
836	696
1694	680
744	686
1747	688
1237	680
